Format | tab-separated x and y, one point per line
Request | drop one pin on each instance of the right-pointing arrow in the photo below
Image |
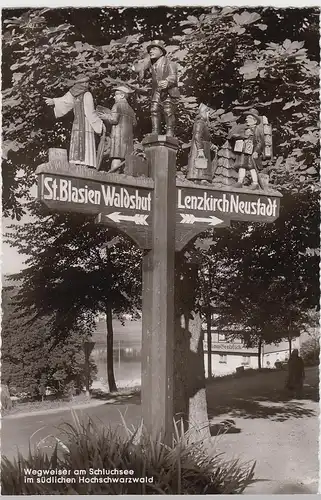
191	219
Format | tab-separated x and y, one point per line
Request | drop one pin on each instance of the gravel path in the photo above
280	433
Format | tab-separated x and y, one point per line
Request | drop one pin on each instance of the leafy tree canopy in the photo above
229	58
265	276
31	357
75	269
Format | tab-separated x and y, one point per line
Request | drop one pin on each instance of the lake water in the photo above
127	372
127	347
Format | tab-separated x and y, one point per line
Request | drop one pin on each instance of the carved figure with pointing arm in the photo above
86	123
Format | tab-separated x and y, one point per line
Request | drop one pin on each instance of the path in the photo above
279	433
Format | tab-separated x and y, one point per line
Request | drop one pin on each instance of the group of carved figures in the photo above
247	143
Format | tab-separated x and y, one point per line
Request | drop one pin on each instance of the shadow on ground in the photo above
249	408
119	398
260	398
225	427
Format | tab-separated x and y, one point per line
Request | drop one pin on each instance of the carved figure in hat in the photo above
122	119
86	123
248	145
199	160
164	85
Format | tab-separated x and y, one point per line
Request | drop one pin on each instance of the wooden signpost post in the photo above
161	214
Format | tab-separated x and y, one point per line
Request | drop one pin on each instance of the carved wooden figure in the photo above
248	143
199	160
164	85
86	123
122	118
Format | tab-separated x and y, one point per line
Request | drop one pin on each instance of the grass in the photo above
31	406
184	467
249	372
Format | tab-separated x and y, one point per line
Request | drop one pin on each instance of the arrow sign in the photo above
138	219
190	219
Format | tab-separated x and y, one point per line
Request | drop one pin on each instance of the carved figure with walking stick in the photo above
164	85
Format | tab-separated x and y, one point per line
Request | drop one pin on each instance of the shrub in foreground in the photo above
182	468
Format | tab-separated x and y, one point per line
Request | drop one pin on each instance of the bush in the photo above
182	468
32	359
6	402
281	365
310	351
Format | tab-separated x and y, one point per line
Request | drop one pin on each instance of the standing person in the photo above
248	139
199	160
164	85
122	118
86	121
296	373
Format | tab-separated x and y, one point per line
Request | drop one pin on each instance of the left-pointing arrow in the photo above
138	219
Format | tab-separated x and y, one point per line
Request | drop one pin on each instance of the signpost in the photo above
127	202
161	214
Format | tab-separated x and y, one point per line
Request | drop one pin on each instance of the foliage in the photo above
264	57
253	60
40	44
231	58
182	468
32	360
6	403
74	270
266	275
250	62
310	350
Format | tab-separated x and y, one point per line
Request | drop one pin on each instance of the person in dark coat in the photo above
164	85
122	118
248	146
296	373
199	160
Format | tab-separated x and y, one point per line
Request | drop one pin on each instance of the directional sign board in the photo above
161	218
204	206
127	202
127	207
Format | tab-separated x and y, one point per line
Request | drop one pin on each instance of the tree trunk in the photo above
110	346
290	344
209	342
259	354
190	403
209	322
87	375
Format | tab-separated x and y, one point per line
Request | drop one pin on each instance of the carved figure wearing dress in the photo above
199	160
86	123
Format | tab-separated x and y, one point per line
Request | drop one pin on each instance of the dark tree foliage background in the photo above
33	360
233	58
229	58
